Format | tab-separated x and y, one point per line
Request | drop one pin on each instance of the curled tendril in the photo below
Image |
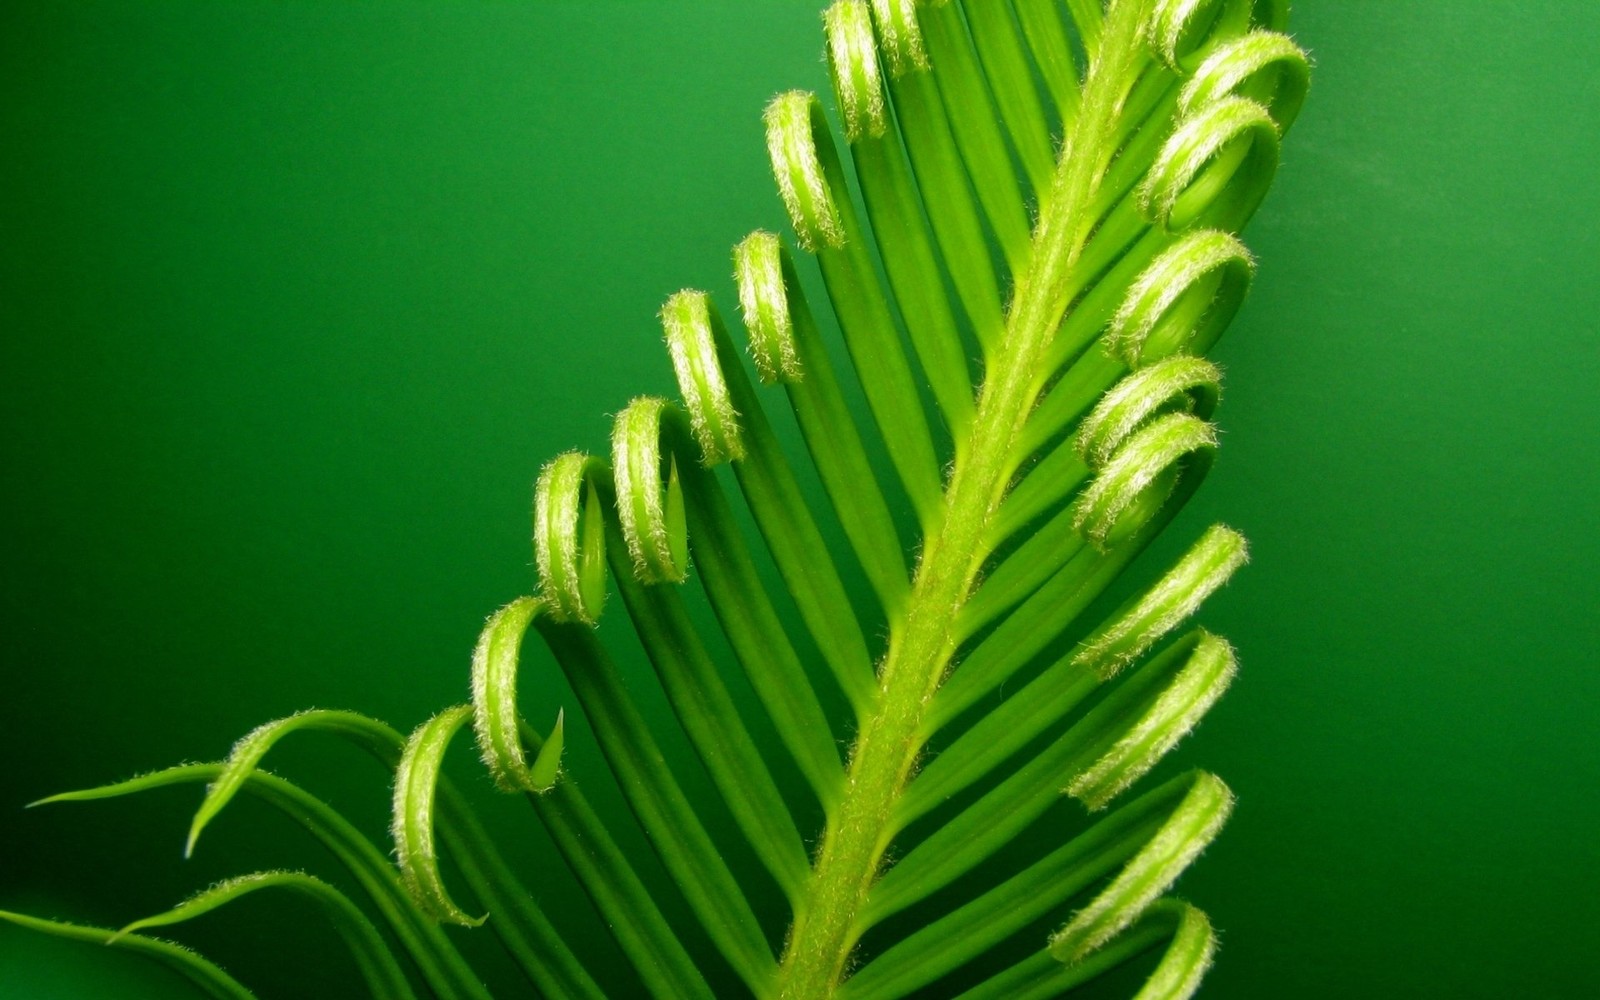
900	36
651	510
495	719
569	539
1177	595
797	142
688	321
1190	828
1183	300
1215	167
1206	673
415	783
1265	66
1139	477
1180	380
1180	31
857	74
758	266
1192	945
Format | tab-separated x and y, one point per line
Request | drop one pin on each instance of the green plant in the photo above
1028	486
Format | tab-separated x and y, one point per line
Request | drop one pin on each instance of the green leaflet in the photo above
381	972
1193	824
415	783
441	965
1037	262
1190	946
1206	673
207	977
530	938
1207	566
372	736
568	546
494	702
1152	840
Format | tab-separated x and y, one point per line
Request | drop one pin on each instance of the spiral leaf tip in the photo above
495	662
569	541
1183	300
1134	483
649	497
1208	564
1191	827
244	761
797	140
416	782
1180	32
1188	957
857	75
758	268
1203	678
691	328
1265	66
900	36
1214	169
1180	382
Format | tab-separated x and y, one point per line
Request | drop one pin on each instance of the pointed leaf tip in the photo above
547	765
246	756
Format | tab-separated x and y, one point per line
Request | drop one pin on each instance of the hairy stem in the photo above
920	649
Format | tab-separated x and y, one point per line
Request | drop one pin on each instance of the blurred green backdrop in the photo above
296	297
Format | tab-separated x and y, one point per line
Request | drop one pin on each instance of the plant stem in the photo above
885	753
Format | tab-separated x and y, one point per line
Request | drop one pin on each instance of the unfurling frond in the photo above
881	654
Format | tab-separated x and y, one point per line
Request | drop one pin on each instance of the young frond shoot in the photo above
913	722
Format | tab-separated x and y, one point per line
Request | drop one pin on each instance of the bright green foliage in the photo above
1037	263
378	967
211	980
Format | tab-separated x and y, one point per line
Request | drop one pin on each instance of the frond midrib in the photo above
922	644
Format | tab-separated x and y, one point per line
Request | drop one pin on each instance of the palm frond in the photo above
927	660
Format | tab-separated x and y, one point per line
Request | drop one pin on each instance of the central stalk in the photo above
922	643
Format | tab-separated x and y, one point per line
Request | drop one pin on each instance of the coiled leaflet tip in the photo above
649	497
759	263
797	141
690	325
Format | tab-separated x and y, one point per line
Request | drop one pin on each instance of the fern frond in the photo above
1038	262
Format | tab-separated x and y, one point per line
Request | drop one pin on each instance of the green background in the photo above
296	298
